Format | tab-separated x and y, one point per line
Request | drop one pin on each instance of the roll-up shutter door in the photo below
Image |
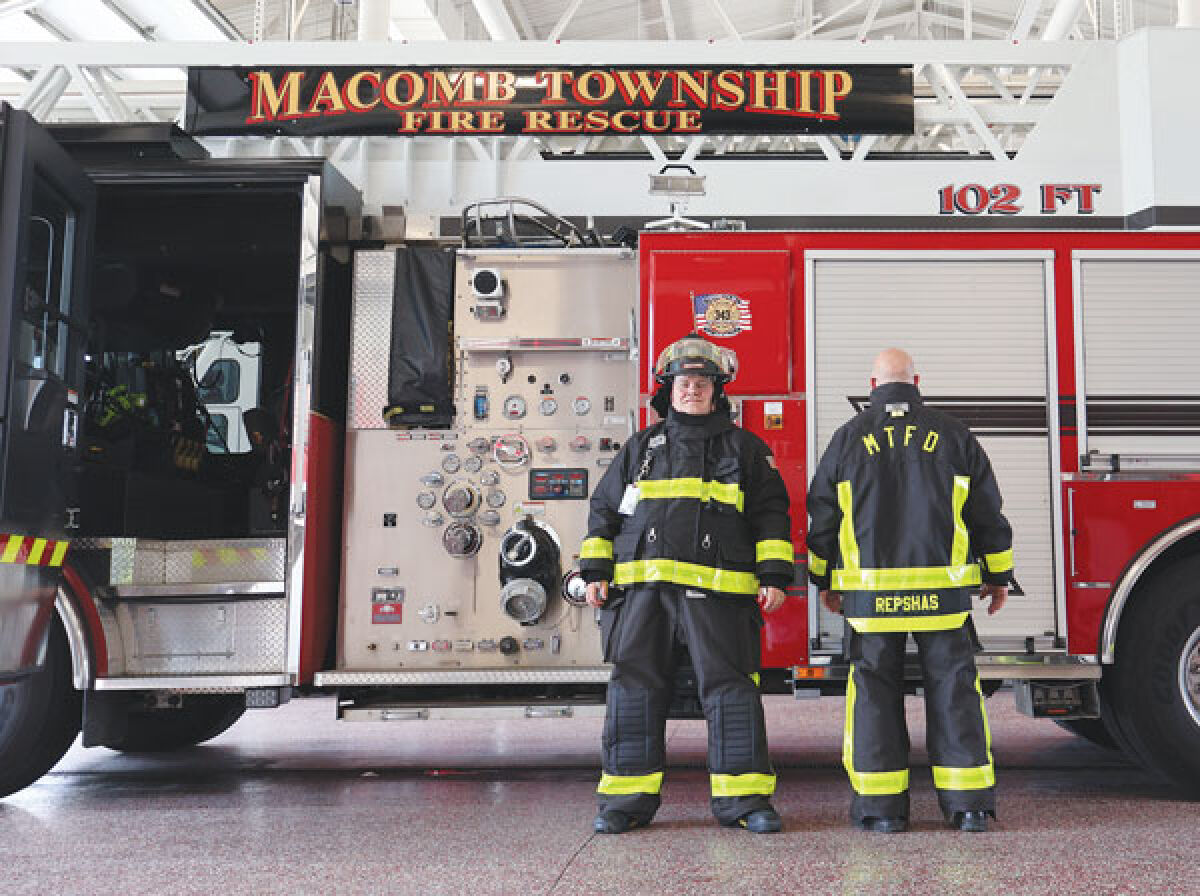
1141	319
977	332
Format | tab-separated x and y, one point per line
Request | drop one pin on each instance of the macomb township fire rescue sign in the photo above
535	100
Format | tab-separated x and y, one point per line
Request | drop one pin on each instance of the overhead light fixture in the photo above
679	183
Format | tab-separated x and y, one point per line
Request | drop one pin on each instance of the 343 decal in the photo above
1005	199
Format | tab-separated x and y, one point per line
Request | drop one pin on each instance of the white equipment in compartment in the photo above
461	544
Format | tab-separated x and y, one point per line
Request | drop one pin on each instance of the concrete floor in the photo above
290	801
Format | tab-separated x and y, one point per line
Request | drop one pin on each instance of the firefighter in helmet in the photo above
688	542
905	520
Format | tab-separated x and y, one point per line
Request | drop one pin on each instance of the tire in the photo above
40	716
1155	682
202	717
1092	730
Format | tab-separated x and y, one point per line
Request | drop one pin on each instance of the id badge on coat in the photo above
629	500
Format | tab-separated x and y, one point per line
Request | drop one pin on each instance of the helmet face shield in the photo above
693	355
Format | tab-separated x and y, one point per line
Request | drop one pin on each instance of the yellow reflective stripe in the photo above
596	549
774	549
754	676
906	578
35	552
1001	561
817	565
846	539
866	783
752	784
618	785
12	549
945	778
60	551
690	574
958	549
908	623
702	490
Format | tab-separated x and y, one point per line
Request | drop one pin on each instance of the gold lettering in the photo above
499	87
803	90
491	120
696	88
537	120
731	94
266	100
391	96
638	87
933	602
688	120
555	81
595	87
889	430
777	89
412	120
908	431
931	441
836	85
327	94
446	90
353	91
872	445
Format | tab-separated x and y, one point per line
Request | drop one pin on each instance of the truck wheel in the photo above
1091	730
202	717
39	717
1156	677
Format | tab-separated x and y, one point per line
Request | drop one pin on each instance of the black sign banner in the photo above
456	101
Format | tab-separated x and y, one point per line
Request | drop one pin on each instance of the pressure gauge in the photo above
514	407
581	405
511	451
460	499
480	445
548	406
426	500
473	464
496	498
491	477
461	540
451	463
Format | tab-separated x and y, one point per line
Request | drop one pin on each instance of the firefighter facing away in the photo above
690	526
905	519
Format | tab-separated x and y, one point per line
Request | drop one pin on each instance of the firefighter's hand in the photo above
770	599
832	601
998	595
597	593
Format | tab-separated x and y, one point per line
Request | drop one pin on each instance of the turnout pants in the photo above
876	744
641	631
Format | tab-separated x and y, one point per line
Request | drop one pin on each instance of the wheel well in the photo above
1168	548
81	623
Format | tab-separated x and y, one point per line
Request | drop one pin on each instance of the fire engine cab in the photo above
432	416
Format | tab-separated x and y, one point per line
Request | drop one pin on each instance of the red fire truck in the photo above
404	531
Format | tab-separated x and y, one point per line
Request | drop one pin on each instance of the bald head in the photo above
893	365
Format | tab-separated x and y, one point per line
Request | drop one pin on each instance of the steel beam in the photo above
564	20
496	20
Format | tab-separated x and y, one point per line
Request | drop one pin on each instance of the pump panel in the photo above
462	543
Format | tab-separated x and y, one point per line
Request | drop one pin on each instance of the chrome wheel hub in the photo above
1189	675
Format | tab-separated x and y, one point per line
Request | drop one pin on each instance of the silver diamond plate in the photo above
371	337
237	560
576	675
144	561
122	562
229	638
